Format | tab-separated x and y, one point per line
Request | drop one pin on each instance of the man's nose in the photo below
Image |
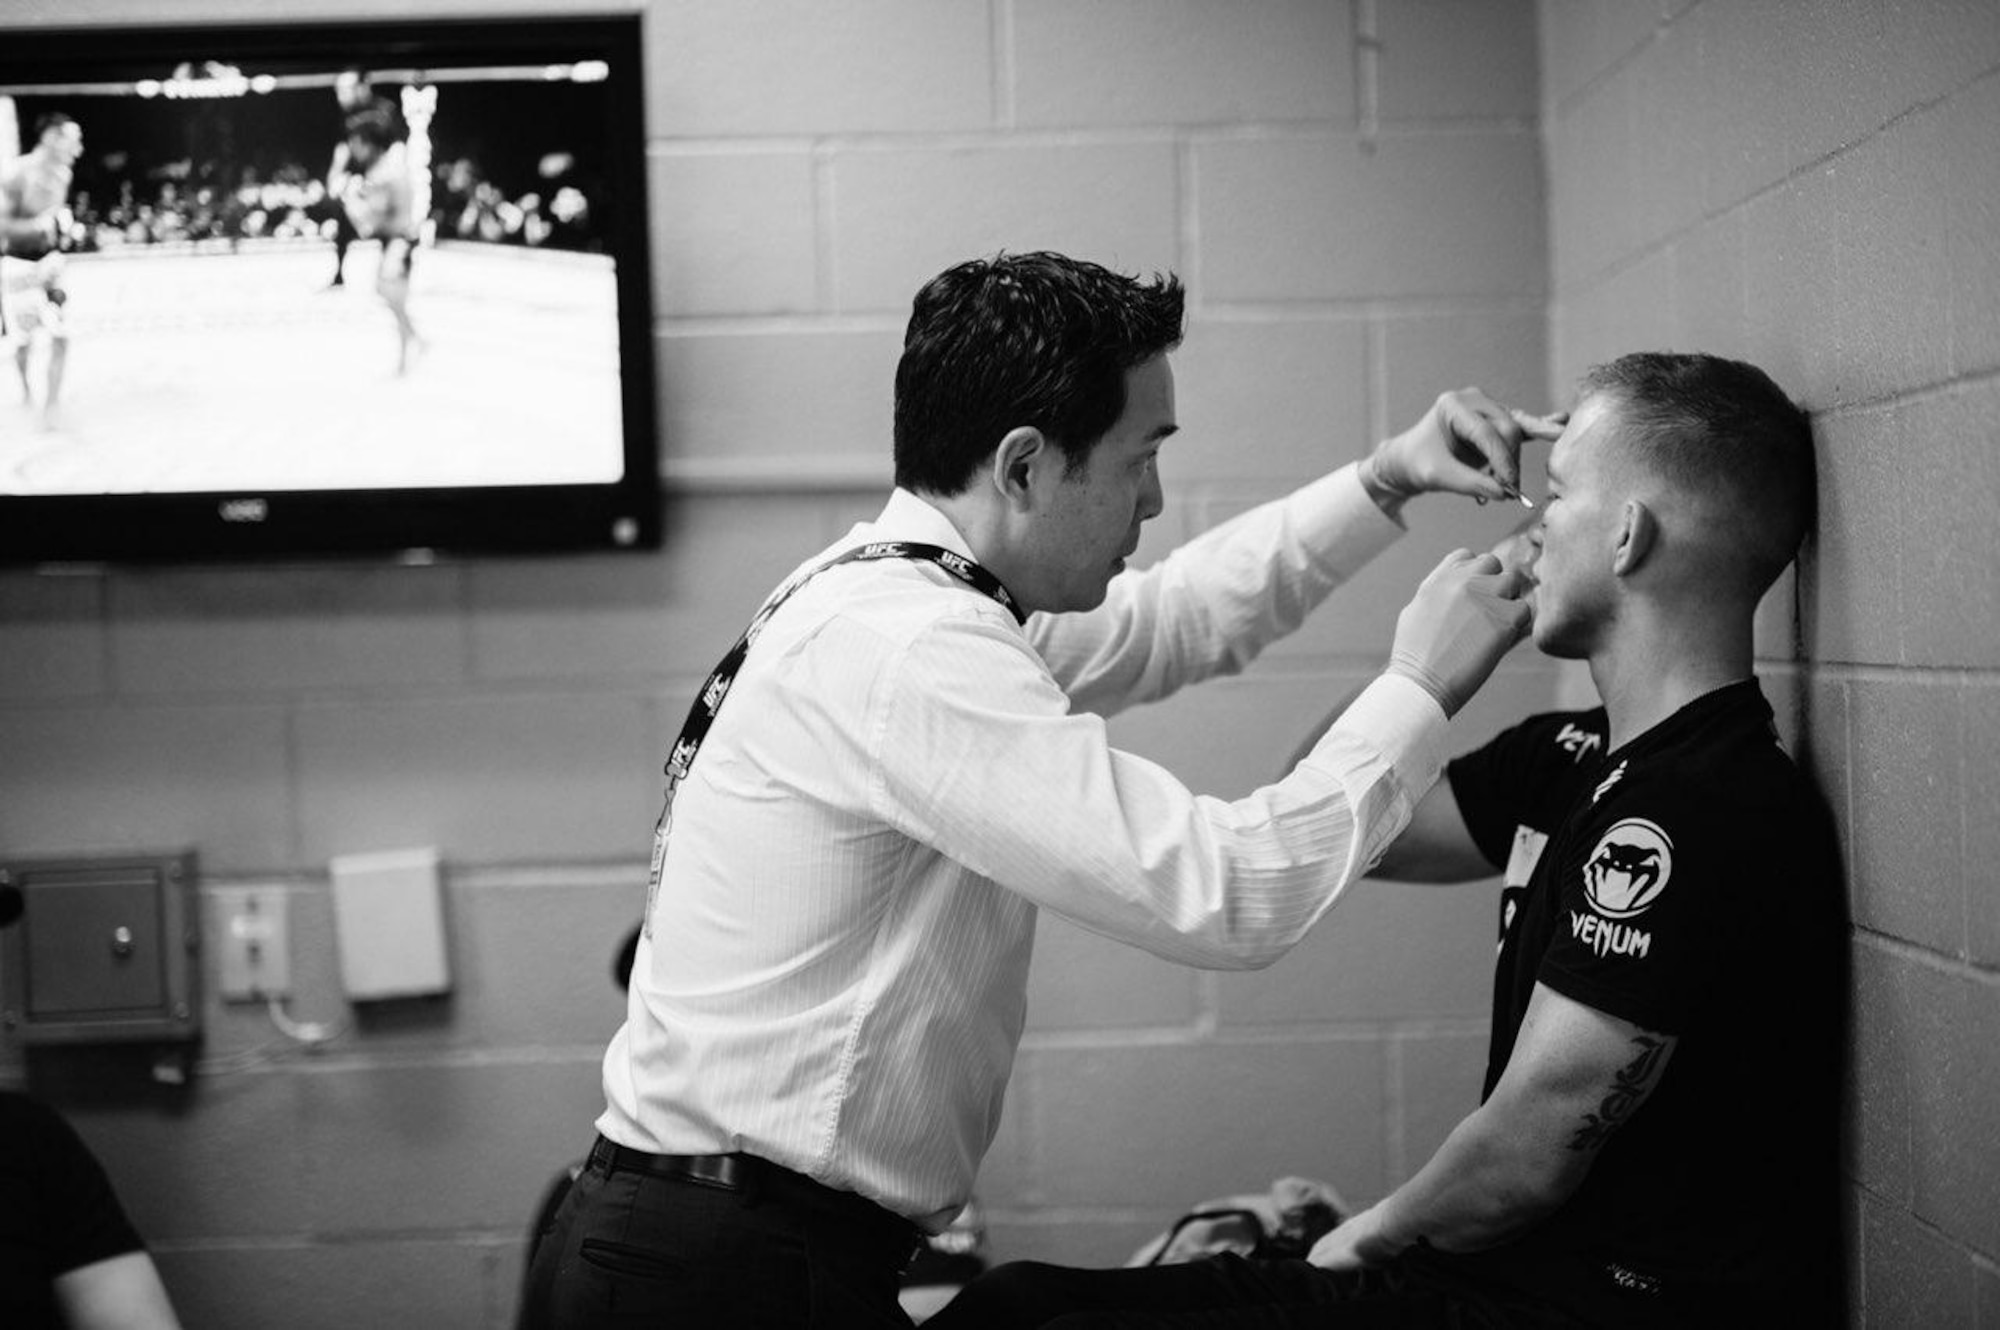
1153	497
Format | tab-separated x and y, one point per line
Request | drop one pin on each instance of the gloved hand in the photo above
1466	443
1465	616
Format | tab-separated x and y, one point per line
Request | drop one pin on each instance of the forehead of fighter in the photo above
1589	442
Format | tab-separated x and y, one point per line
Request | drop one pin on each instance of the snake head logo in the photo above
1629	868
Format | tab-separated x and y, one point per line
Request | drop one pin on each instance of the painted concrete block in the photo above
1112	203
1972	220
1283	399
1386	952
98	779
1453	59
532	965
1789	249
1593	221
1986	1295
1880	1075
485	779
1892	268
1149	62
1228	737
1955	1070
1437	1085
1331	217
311	1285
621	616
208	1173
254	630
1164	1127
1083	981
1672	129
1851	572
770	397
1980	793
1908	750
1910	1276
1581	39
1629	309
733	233
1709	310
1756	70
1504	353
1949	610
796	67
1933	47
55	634
427	1148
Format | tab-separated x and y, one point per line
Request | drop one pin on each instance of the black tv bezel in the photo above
403	524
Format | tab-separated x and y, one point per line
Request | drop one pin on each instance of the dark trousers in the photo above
1223	1292
629	1247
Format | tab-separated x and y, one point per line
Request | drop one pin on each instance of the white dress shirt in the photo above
836	973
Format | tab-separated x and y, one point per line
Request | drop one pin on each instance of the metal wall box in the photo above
105	950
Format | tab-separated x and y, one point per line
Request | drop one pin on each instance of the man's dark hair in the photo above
1038	340
49	120
1722	430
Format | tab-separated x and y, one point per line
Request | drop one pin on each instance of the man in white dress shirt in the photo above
868	808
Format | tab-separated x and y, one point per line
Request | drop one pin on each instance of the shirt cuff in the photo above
1338	521
1404	723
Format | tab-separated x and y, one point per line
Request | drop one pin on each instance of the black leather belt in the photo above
724	1172
758	1181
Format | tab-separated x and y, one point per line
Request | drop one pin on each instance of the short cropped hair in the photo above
1038	340
1720	430
49	120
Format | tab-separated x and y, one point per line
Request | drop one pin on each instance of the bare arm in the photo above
1436	846
118	1293
1576	1075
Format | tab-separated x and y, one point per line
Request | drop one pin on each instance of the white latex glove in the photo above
1465	616
1465	444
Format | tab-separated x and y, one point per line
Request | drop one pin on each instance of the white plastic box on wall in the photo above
388	915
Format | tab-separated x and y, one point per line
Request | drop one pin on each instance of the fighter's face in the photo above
64	142
1577	537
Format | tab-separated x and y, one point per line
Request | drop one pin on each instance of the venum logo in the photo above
1629	868
1606	938
1578	743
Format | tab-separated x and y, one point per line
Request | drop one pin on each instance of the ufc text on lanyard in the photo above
702	714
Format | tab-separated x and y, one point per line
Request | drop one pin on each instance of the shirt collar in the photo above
908	517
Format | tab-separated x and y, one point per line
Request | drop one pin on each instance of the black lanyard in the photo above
709	701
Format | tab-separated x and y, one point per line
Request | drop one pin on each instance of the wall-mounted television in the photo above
325	288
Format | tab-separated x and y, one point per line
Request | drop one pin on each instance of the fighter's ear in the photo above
1638	529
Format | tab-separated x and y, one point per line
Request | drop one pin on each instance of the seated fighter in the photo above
1654	1144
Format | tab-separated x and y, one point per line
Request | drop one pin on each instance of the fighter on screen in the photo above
34	221
375	187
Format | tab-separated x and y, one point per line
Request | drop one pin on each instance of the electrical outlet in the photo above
254	960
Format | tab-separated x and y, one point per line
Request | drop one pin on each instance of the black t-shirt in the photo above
1687	883
57	1211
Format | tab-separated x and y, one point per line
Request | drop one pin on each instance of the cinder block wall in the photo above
1816	187
1354	194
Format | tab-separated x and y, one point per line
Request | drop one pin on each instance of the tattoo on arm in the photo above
1628	1087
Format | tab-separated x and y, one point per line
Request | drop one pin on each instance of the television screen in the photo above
324	288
